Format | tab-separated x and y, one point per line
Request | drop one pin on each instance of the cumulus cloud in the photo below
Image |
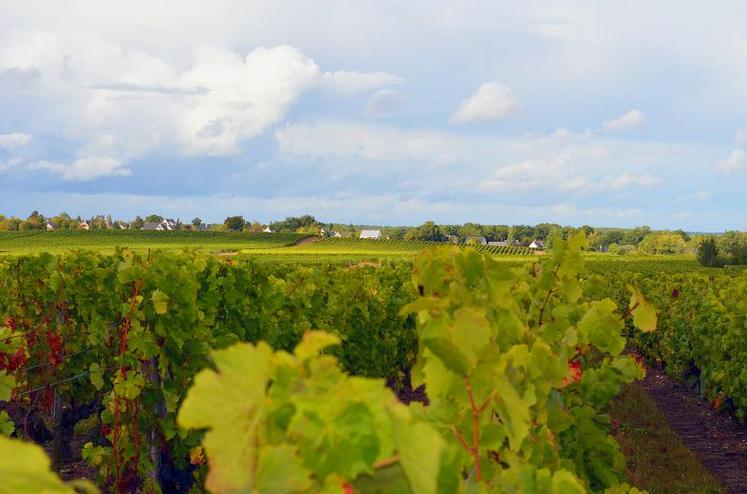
736	161
245	95
492	101
14	140
630	120
384	102
129	102
560	174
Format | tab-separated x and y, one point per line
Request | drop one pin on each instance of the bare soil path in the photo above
718	440
306	240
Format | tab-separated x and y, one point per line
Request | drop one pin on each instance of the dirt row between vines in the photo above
718	440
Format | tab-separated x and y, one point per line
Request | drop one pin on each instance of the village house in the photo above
371	234
537	245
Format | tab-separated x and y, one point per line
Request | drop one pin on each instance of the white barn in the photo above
371	234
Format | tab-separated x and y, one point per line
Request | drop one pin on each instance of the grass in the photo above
658	460
106	241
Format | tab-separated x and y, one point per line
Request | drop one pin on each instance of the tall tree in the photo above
234	223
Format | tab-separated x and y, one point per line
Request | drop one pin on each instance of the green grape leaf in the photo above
25	469
345	443
96	375
160	302
644	314
422	452
281	471
314	342
6	425
601	327
7	383
230	401
564	482
129	387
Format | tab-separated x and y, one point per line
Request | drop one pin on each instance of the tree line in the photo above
731	247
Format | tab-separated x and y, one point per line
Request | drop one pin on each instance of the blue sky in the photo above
601	113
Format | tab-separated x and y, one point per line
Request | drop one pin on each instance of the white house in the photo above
51	225
537	245
83	225
371	234
499	243
267	229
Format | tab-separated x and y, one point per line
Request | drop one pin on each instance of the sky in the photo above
387	112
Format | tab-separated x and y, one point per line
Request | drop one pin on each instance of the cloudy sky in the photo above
386	112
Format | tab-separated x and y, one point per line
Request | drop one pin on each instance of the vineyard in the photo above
456	372
378	248
106	241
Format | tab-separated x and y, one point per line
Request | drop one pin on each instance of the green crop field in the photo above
106	241
357	249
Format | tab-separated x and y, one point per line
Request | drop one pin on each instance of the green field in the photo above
106	241
344	249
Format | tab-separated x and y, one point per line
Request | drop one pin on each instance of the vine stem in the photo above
475	429
386	462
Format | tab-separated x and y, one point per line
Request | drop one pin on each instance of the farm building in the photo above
477	241
371	234
51	225
267	229
499	243
537	245
164	225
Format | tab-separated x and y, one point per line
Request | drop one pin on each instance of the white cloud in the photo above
559	173
736	161
740	136
630	120
10	164
628	179
492	101
14	140
244	95
348	82
533	175
127	102
384	102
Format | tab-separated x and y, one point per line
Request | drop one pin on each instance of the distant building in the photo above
83	225
336	234
152	226
477	241
537	245
51	226
452	239
499	243
267	229
371	234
